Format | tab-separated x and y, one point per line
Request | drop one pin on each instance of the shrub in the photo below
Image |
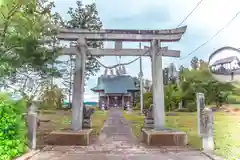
13	131
191	106
182	110
137	106
233	99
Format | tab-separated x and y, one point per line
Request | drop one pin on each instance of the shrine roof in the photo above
111	84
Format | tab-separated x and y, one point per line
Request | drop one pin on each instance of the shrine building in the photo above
115	90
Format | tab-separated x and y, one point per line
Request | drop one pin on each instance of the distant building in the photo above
226	65
115	90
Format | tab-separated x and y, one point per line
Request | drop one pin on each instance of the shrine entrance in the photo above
155	52
115	101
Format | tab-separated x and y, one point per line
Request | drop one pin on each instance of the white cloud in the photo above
208	18
91	97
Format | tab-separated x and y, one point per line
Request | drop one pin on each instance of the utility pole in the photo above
70	82
141	81
178	84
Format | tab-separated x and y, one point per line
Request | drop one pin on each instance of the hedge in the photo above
13	129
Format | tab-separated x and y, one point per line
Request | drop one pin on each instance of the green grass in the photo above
226	130
98	119
61	120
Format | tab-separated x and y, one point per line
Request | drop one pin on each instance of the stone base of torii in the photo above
158	135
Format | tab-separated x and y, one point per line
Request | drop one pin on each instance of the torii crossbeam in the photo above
122	52
167	35
155	37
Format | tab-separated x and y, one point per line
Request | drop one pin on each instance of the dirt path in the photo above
116	142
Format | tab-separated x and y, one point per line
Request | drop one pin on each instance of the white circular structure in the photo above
224	64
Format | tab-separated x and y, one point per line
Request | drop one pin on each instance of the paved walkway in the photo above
116	142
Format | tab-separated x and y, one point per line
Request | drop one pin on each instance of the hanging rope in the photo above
119	64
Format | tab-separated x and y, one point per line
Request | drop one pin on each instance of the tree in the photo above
165	76
26	82
172	96
27	36
52	97
86	17
194	63
67	68
28	46
181	71
203	65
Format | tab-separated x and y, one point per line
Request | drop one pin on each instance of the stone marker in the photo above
32	126
103	106
87	113
205	124
129	109
148	120
200	108
207	132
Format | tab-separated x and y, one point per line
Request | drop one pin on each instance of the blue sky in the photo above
211	16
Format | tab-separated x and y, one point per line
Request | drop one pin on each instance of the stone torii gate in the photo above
155	37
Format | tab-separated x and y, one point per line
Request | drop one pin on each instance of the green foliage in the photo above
147	100
172	96
194	63
86	17
191	82
13	129
52	98
202	81
233	99
24	28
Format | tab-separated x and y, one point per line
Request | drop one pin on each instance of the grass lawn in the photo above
59	120
226	130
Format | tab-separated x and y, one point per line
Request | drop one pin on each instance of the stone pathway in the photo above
116	142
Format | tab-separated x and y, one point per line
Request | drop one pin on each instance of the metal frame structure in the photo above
155	37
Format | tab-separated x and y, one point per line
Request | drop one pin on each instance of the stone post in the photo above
129	109
32	126
158	88
207	135
200	108
78	87
103	105
205	124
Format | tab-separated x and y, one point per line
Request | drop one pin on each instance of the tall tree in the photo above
172	73
194	63
28	46
203	65
27	35
86	17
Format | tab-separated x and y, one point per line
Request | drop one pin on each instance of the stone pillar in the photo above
32	126
158	87
205	124
207	135
200	108
78	87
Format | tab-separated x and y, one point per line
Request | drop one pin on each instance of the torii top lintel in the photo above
167	35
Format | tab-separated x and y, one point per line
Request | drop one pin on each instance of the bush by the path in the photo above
13	131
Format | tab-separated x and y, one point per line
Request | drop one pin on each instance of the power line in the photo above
188	17
190	13
139	56
218	32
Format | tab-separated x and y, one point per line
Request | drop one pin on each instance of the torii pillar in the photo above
158	87
78	86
